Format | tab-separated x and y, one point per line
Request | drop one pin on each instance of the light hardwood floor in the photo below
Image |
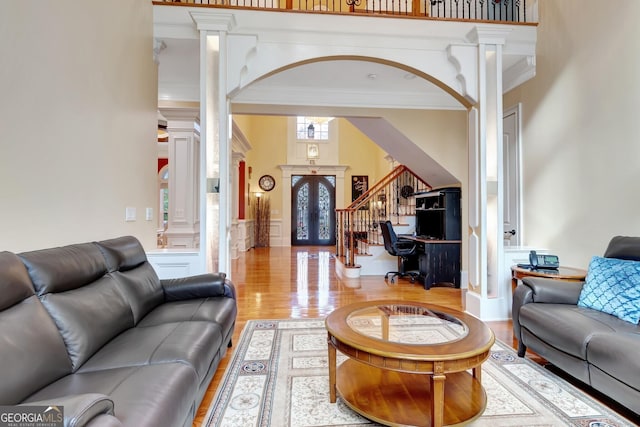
300	282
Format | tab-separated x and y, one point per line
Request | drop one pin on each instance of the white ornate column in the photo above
183	228
216	137
235	189
485	298
242	229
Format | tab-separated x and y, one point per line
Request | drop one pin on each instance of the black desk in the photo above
438	261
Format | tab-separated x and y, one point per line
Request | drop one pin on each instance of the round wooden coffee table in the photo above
401	355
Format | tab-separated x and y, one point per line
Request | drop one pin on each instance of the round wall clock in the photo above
406	191
266	182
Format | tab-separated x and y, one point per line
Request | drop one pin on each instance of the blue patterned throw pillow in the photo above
613	286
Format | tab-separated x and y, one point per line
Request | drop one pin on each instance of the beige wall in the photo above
581	144
361	155
268	138
78	117
440	134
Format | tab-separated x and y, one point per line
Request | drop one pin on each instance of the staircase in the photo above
359	245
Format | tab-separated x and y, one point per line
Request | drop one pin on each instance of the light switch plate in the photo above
130	214
149	214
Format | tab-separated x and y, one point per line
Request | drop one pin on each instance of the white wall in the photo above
77	121
581	139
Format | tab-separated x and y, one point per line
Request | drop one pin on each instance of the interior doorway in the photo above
512	177
313	202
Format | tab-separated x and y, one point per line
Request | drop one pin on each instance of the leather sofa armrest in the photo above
200	286
541	290
522	295
105	421
553	291
84	410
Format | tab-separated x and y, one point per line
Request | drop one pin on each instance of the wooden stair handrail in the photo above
386	180
346	227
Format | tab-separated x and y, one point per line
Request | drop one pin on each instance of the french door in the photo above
313	203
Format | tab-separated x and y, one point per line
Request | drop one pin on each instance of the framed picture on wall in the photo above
359	185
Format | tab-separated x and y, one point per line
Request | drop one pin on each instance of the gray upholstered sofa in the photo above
597	348
92	328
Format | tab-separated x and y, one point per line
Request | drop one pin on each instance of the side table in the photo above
569	274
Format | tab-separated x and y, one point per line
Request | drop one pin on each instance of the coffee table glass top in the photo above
407	324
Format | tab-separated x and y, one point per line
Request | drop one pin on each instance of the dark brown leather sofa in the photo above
597	348
90	327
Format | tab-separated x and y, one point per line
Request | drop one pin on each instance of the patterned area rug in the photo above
278	377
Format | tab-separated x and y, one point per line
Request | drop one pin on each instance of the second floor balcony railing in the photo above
507	11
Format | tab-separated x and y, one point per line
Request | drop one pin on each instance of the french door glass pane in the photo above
324	206
303	212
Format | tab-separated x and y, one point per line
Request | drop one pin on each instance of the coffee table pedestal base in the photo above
404	399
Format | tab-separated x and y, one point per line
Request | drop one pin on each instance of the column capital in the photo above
491	34
182	120
181	114
207	21
237	158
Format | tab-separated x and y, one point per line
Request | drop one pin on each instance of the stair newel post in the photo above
339	234
352	256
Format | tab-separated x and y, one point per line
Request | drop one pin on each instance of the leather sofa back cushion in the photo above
122	253
15	285
142	289
136	278
89	317
31	349
65	268
624	247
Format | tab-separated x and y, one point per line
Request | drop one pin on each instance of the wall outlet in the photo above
129	214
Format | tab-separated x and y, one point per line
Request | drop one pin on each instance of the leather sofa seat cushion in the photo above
65	268
26	333
89	317
143	396
565	327
221	311
192	343
614	354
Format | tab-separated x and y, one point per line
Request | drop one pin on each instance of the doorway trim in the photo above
290	170
314	185
517	111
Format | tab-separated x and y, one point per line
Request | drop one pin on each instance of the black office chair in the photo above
405	250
